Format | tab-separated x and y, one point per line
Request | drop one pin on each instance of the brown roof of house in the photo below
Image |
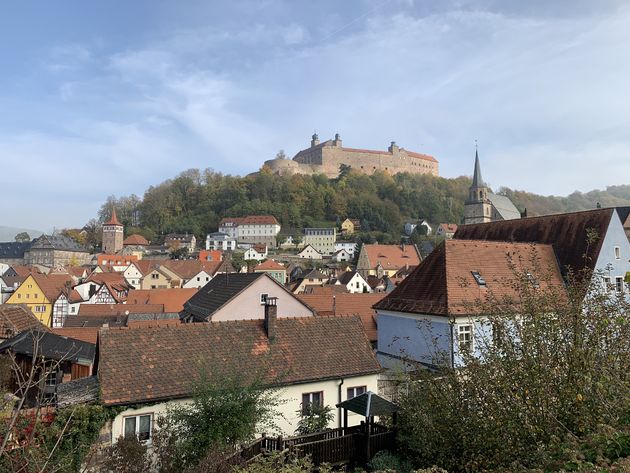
269	265
135	239
448	227
85	334
444	283
251	220
24	271
568	233
392	256
119	309
172	299
343	304
151	364
16	318
52	285
108	277
188	268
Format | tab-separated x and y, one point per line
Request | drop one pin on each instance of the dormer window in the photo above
481	282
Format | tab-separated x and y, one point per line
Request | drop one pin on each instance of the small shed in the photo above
369	405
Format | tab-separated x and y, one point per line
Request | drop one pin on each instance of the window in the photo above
355	391
606	284
465	337
263	298
308	399
139	426
619	284
617	252
480	280
155	276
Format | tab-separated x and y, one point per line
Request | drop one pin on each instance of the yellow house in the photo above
39	292
349	226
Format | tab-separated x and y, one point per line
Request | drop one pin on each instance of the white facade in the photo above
133	276
349	246
310	253
220	241
290	403
322	239
357	284
342	255
198	281
252	254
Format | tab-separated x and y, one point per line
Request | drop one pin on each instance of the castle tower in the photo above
477	208
314	140
112	235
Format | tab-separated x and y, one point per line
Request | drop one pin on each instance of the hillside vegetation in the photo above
196	200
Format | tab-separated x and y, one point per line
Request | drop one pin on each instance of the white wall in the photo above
290	397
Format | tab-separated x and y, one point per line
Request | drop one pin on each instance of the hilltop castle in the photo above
327	157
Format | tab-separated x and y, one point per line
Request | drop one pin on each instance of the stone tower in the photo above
112	235
478	208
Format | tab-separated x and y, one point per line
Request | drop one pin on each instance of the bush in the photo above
386	461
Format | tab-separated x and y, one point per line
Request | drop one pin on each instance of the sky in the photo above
109	98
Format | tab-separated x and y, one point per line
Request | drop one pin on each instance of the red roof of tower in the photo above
113	220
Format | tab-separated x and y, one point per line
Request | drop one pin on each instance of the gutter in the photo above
341	380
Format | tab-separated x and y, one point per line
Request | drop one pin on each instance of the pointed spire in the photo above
113	220
477	179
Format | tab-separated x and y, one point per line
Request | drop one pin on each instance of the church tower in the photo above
112	235
477	208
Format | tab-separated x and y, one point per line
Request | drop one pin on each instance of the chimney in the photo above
271	317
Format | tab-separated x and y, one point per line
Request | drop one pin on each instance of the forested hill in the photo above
196	200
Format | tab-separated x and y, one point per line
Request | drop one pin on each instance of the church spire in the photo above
477	179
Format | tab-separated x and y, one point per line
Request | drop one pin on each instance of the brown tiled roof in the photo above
448	227
392	256
152	364
269	265
568	233
343	304
53	284
112	278
85	334
16	318
25	270
119	309
172	299
443	284
251	220
188	268
113	219
409	153
135	239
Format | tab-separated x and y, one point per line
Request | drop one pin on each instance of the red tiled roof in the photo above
392	256
16	318
117	260
118	309
114	219
24	271
112	278
135	239
448	227
85	334
443	284
343	304
53	284
210	255
159	363
269	265
172	299
251	220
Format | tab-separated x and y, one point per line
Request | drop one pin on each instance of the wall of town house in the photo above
608	265
290	402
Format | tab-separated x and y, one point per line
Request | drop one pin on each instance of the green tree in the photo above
314	417
22	237
549	382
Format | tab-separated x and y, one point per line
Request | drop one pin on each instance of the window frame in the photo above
462	345
263	298
137	426
617	252
354	390
619	289
311	400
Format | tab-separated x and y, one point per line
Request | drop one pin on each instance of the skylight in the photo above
480	280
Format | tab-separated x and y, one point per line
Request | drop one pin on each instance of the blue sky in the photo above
102	98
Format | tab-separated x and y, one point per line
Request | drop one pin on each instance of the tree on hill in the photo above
22	237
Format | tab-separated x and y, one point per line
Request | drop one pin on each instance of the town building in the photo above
256	253
241	296
349	246
56	250
175	241
276	351
410	227
329	157
113	235
446	230
273	269
322	239
15	319
308	252
433	315
220	241
253	229
12	252
350	226
353	282
386	260
482	205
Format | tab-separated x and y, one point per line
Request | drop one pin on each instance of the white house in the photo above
411	226
342	255
430	317
256	253
272	349
321	239
220	241
349	246
254	229
308	252
353	282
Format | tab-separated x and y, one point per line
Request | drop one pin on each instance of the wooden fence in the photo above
335	446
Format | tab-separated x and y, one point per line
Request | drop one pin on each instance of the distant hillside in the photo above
613	196
8	233
196	200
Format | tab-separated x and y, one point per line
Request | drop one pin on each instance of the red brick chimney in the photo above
271	317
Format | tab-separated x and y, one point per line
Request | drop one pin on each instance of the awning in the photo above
369	404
